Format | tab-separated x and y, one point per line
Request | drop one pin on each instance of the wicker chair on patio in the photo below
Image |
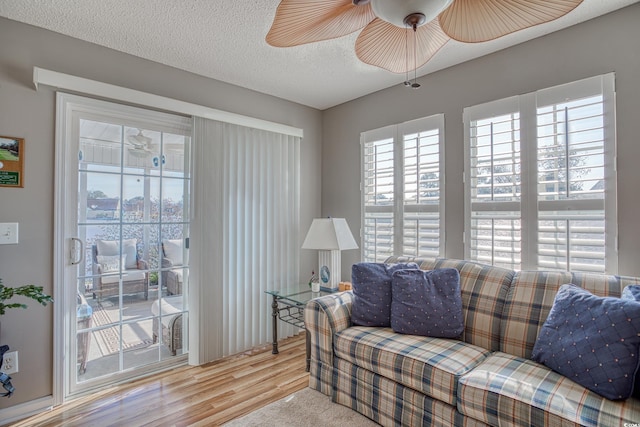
171	309
173	256
107	260
84	313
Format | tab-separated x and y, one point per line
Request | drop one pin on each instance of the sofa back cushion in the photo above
173	251
531	297
423	263
112	248
483	289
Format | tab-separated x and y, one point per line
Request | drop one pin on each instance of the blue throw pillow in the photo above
427	303
632	292
592	340
371	284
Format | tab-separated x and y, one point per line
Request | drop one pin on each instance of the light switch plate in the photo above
8	233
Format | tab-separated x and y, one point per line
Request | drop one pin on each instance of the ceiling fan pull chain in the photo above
406	56
415	84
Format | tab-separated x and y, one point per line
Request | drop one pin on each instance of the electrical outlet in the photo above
10	362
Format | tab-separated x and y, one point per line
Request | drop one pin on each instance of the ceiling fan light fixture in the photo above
139	139
396	12
385	25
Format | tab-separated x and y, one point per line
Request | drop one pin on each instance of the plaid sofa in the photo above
485	378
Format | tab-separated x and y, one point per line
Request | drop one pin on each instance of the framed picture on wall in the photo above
11	161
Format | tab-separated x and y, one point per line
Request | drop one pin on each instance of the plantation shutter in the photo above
494	184
576	152
422	193
402	190
540	183
378	194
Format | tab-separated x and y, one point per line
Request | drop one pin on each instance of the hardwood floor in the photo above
207	395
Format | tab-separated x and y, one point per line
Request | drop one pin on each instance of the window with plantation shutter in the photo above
540	181
495	186
402	190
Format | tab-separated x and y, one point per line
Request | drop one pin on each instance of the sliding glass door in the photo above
125	177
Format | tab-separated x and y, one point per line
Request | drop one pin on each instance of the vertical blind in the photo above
541	179
248	230
402	197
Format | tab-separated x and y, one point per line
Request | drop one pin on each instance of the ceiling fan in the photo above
140	145
402	35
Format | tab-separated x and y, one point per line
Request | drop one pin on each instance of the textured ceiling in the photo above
224	40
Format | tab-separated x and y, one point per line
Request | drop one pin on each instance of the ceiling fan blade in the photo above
386	46
305	21
474	21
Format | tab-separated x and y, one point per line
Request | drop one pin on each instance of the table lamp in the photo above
329	236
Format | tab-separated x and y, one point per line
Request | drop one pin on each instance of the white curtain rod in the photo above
118	93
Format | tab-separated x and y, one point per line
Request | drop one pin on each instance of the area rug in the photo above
305	408
134	335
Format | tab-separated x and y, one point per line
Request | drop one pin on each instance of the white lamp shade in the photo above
329	234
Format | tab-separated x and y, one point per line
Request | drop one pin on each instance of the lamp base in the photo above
329	263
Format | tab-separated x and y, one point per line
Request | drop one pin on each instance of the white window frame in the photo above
529	205
399	207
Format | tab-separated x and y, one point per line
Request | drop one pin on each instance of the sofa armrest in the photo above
324	317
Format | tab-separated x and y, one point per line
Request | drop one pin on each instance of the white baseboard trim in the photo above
24	410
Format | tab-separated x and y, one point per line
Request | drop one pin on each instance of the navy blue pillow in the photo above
371	284
427	303
632	292
592	340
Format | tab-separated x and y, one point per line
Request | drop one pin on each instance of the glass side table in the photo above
288	306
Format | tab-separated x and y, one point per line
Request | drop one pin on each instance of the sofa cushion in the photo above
389	403
112	248
484	289
372	292
423	263
592	340
168	308
427	303
111	263
531	297
127	276
429	365
173	251
512	391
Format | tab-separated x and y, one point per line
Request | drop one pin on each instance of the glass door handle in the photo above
76	255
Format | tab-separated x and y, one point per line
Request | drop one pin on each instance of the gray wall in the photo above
31	115
605	44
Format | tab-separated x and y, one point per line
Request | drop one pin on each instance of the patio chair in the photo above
106	269
84	313
171	322
173	256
